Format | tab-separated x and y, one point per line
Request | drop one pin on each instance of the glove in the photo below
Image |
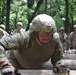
9	69
61	69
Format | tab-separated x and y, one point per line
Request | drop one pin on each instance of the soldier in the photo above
19	28
33	48
3	33
72	38
64	39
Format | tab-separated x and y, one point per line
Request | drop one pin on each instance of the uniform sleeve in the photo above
57	55
8	43
12	42
70	39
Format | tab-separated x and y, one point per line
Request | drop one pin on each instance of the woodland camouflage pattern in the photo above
27	50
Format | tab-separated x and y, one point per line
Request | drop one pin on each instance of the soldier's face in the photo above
19	27
45	37
62	31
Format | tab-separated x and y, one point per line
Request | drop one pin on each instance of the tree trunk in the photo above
30	3
58	5
66	15
7	15
3	13
33	15
72	21
16	18
45	6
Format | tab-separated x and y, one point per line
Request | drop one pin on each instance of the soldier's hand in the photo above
61	69
9	70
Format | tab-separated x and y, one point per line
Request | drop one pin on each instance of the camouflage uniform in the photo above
3	33
72	40
19	30
27	51
64	39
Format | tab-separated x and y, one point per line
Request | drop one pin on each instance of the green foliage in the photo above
18	13
21	10
59	22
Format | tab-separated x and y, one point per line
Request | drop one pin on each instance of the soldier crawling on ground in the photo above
34	47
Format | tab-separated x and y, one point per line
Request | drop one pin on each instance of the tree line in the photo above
63	11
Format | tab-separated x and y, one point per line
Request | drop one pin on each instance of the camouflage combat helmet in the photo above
74	26
19	24
62	28
43	23
2	26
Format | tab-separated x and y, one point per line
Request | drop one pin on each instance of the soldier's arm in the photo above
6	67
70	39
13	42
57	55
59	63
8	43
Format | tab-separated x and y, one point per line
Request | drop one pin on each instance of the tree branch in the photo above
34	13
